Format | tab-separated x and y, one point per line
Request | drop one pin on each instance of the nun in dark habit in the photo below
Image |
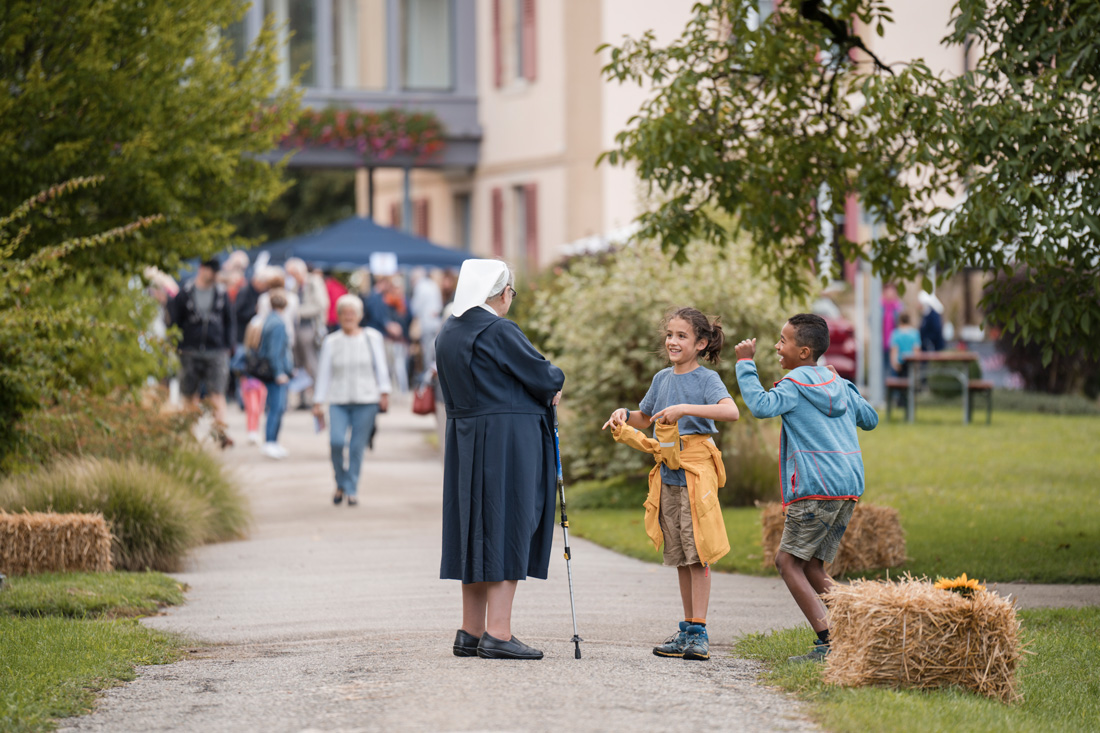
500	469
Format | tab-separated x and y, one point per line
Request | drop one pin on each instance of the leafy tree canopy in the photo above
779	120
145	95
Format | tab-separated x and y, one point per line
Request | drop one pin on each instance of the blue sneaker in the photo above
698	645
674	646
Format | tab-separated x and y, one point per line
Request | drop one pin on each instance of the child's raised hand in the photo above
745	349
617	418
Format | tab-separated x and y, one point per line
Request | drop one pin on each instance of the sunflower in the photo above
961	585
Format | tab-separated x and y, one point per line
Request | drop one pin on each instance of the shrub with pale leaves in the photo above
600	322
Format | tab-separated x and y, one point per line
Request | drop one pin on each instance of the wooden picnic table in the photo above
957	365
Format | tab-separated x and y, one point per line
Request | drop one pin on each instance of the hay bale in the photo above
46	542
911	634
874	539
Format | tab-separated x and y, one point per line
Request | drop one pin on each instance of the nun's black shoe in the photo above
491	647
465	644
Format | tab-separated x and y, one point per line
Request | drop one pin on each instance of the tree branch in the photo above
811	11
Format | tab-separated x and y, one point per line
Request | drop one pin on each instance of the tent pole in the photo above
370	193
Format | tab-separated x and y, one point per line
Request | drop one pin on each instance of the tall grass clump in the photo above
203	474
154	518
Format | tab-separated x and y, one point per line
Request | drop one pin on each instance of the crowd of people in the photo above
267	337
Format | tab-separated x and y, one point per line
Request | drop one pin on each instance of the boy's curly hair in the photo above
811	330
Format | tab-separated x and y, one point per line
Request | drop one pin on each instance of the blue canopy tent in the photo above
349	244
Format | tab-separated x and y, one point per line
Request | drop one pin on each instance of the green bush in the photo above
943	383
154	518
751	453
600	323
118	426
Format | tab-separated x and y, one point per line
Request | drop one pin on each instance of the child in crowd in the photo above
904	341
682	509
253	395
821	468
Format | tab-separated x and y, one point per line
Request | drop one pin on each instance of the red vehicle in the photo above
841	354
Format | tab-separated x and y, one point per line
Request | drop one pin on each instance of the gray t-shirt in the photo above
204	301
698	387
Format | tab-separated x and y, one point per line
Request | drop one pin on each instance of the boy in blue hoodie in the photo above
821	468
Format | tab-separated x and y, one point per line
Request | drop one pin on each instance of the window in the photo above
238	42
359	44
420	218
426	34
395	215
462	233
525	233
519	225
513	41
297	20
497	223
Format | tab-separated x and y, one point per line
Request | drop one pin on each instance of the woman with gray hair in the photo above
352	377
500	465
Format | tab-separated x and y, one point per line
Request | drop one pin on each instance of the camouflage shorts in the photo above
814	527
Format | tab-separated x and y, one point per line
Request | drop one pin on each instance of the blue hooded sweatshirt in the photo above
819	455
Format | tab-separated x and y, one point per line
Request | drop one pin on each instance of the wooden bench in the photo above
985	387
975	386
896	385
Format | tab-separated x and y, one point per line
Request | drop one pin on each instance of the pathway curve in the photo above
334	619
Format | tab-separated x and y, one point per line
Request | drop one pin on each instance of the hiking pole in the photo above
565	531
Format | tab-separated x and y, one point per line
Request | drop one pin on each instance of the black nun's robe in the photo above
500	469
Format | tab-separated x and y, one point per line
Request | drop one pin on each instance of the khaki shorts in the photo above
676	526
814	527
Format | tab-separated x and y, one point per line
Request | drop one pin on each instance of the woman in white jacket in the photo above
353	379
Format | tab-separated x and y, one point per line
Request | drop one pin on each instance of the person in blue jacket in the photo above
500	464
820	463
275	347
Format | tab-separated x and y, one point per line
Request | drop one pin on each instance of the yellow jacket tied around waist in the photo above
705	473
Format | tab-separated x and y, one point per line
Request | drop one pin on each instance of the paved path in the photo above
334	619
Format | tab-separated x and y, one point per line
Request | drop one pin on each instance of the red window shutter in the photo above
531	236
420	218
529	40
395	215
498	223
498	60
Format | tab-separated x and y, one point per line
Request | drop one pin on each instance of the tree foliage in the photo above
147	96
601	323
778	121
56	333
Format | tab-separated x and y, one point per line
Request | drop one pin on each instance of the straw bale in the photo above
873	539
44	542
910	634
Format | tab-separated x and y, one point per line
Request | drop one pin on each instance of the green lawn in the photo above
62	640
1060	682
1016	500
97	594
